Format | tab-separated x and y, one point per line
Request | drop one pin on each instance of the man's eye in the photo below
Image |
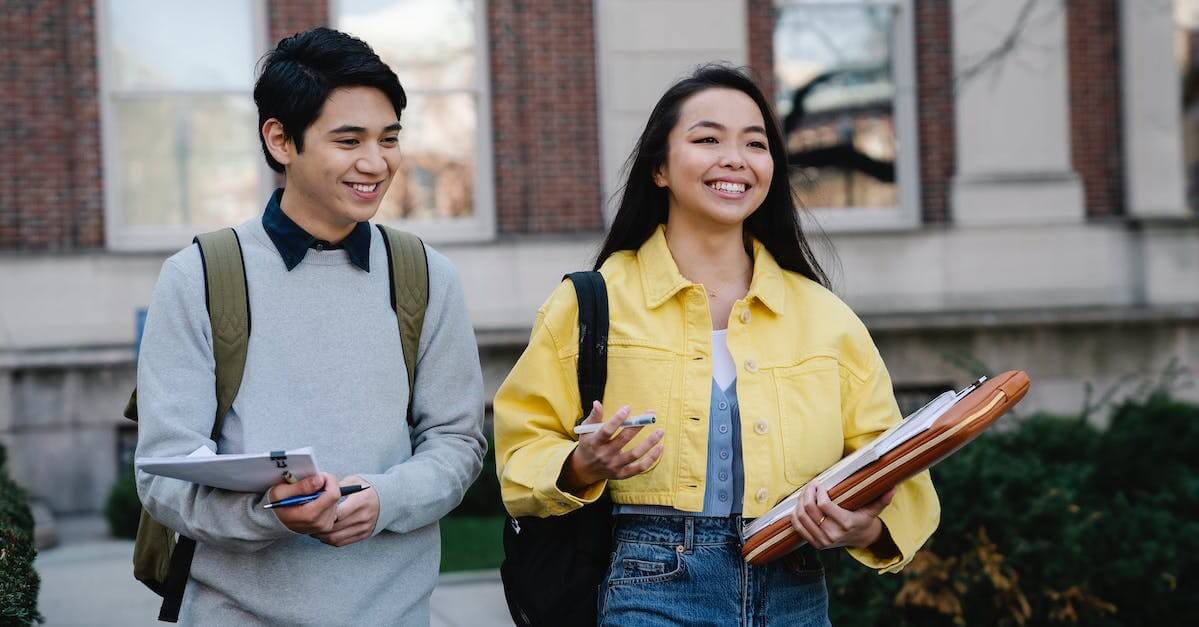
391	140
348	142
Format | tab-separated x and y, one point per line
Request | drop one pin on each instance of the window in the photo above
443	189
844	75
181	151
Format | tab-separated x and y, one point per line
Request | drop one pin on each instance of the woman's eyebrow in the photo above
720	127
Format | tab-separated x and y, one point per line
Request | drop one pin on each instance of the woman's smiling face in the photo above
718	164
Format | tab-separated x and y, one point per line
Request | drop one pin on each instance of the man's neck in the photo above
304	212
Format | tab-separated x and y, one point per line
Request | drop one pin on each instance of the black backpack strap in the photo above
227	297
592	295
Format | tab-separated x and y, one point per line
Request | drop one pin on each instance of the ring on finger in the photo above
821	520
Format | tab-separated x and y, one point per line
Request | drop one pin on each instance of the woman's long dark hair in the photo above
643	205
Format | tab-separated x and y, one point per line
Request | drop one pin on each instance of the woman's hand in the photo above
824	524
599	455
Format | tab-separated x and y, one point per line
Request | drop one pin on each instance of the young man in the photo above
324	368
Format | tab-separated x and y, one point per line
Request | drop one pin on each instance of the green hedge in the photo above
1052	522
18	581
123	508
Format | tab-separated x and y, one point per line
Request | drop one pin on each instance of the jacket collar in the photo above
661	279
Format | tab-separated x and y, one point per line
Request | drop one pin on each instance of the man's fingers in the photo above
308	485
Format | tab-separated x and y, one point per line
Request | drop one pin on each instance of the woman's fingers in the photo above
637	452
837	520
611	425
642	464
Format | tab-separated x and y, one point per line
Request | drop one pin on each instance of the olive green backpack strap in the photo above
409	294
159	560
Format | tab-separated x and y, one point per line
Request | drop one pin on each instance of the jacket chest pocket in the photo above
643	380
809	397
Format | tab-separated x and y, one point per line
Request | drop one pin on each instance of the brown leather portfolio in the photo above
960	424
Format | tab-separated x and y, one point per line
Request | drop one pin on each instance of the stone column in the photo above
1013	124
1153	162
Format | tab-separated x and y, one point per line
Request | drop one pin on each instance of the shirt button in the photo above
745	316
723	405
761	428
723	429
751	365
724	476
761	495
724	496
724	454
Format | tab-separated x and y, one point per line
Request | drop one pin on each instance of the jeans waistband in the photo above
687	531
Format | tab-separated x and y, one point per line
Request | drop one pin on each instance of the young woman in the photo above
723	326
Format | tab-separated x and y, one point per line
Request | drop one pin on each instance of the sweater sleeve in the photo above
447	404
176	397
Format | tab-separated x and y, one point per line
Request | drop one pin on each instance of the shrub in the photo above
18	581
482	498
123	508
1052	522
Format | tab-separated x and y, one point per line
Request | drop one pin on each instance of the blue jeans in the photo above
684	570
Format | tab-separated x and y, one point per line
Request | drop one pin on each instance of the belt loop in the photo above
689	534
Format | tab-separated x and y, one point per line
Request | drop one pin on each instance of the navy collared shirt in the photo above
293	242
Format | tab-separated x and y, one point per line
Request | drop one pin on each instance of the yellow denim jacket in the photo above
810	383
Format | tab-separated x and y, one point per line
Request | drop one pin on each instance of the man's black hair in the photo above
300	73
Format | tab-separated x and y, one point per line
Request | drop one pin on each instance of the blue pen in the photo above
301	499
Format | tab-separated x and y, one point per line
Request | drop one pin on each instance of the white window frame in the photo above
480	226
118	235
906	214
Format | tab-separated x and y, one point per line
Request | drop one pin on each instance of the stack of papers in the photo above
915	424
246	472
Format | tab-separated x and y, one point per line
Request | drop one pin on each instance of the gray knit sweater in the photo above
325	369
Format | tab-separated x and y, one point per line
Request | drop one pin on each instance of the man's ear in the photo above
277	142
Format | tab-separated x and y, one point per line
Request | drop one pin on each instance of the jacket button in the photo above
751	365
745	316
761	495
761	428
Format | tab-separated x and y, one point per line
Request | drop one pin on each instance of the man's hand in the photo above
824	524
600	455
356	516
315	517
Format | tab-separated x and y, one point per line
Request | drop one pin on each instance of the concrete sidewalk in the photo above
89	582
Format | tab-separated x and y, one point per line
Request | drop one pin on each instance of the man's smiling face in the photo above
351	152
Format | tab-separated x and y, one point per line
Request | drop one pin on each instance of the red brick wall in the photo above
287	17
1093	40
935	107
544	123
50	165
761	44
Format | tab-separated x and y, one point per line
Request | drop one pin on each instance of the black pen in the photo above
301	499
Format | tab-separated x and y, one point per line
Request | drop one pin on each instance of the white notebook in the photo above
243	472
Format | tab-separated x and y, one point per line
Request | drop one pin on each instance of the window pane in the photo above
436	180
833	71
187	160
429	43
181	45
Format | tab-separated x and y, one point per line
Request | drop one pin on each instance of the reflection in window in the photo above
833	71
431	45
182	121
1186	46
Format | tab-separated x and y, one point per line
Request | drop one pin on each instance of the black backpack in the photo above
553	566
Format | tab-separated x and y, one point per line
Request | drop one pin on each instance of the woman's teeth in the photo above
366	189
725	186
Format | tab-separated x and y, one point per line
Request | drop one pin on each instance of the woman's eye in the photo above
761	145
706	140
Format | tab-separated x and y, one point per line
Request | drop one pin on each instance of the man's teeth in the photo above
366	189
725	186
